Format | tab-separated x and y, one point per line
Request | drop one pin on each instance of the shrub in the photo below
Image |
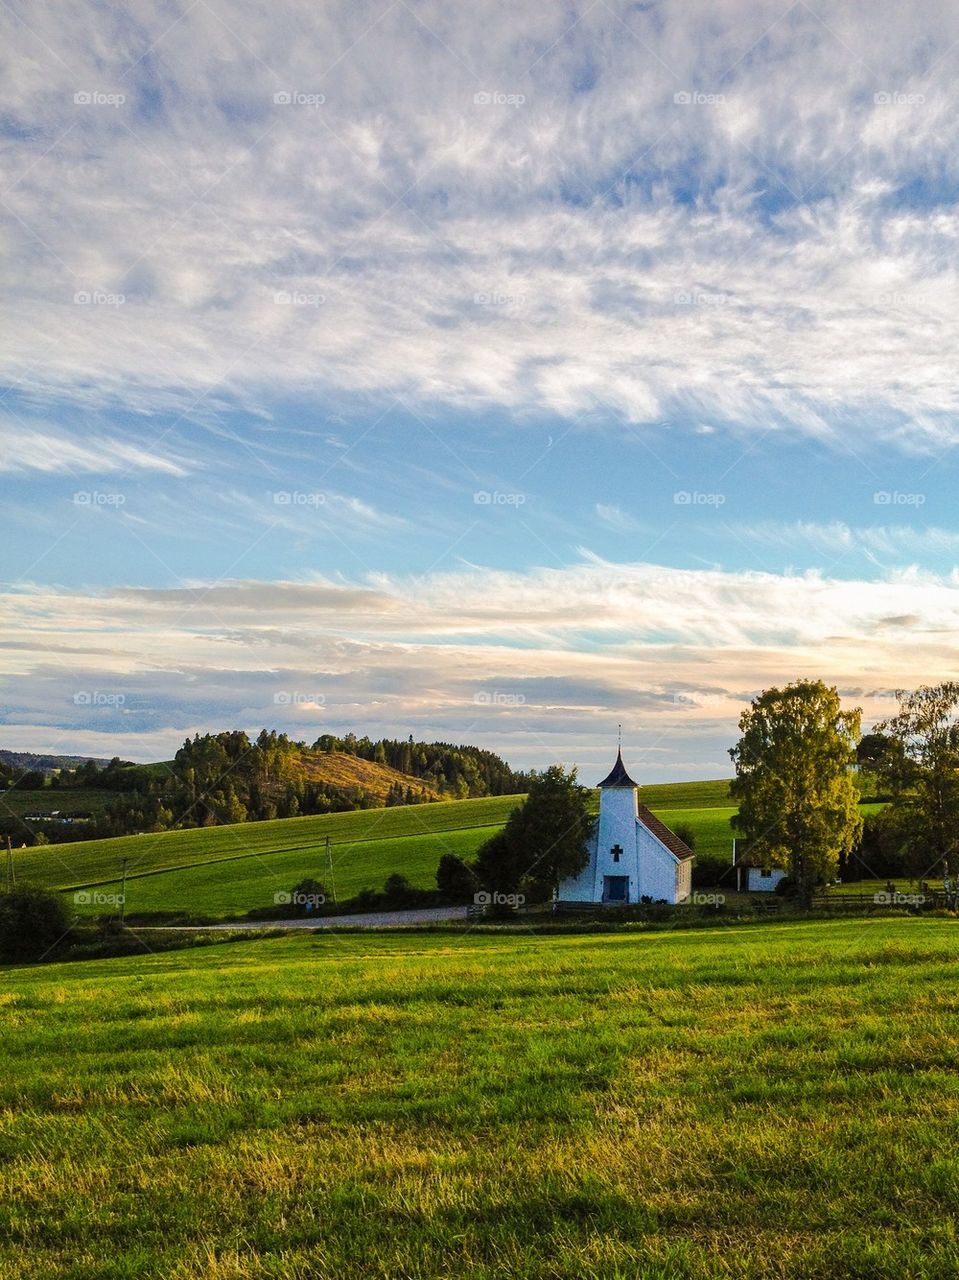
308	897
397	891
786	888
455	879
686	834
711	872
32	922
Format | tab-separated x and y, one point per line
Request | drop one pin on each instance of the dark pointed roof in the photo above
618	777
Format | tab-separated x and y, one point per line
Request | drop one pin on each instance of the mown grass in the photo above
235	887
777	1101
95	861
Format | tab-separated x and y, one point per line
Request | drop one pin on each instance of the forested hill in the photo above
227	778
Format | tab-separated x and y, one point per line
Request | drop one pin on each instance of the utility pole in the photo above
123	892
329	863
11	880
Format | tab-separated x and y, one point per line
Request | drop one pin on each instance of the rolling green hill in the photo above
230	870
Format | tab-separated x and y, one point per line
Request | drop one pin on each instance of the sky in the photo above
491	373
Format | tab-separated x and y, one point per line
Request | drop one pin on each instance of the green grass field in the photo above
773	1101
218	871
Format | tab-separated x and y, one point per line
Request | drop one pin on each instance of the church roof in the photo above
669	838
618	777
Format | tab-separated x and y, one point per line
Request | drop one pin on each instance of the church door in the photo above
615	888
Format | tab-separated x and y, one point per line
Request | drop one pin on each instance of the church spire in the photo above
618	777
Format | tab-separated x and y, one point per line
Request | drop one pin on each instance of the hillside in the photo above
338	769
30	760
233	869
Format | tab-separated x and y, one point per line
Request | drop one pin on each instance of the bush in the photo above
686	834
712	873
308	897
397	891
455	879
32	922
786	887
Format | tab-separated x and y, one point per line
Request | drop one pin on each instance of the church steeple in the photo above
618	777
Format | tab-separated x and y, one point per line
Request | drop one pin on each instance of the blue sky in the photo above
482	374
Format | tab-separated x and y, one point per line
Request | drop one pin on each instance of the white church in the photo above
632	855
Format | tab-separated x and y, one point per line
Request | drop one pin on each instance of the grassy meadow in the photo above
767	1101
229	870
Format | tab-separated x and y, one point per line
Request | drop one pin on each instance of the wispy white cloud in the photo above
29	448
746	218
615	518
835	537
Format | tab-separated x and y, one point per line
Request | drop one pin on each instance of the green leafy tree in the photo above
397	890
308	897
455	879
795	782
921	769
544	839
32	922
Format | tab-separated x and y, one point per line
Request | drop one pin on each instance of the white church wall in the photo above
658	868
684	880
617	822
582	887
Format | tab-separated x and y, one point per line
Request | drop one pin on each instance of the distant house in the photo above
752	875
632	855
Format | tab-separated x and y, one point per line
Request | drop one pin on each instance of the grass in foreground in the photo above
769	1102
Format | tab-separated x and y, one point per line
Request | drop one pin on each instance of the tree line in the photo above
226	777
801	762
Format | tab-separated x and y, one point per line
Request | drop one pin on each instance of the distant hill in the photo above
227	778
39	762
